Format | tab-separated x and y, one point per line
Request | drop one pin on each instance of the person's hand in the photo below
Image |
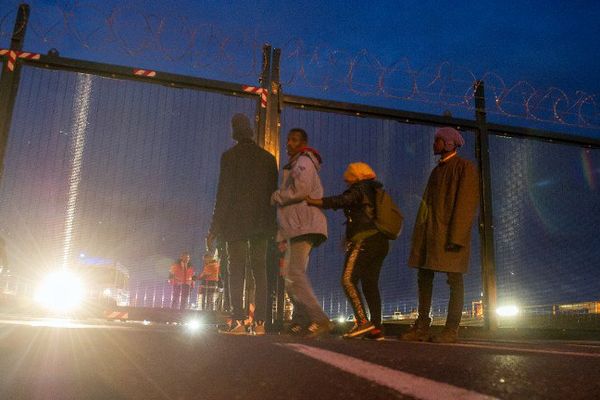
453	247
314	202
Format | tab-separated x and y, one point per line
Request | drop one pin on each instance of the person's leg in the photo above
425	281
298	285
352	264
420	330
258	266
375	249
185	297
237	252
455	304
176	296
224	276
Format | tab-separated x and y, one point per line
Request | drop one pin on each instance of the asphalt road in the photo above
43	359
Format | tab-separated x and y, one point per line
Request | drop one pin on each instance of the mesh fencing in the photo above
401	155
104	170
546	216
99	169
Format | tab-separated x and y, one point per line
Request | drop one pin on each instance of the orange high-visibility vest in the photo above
181	275
210	271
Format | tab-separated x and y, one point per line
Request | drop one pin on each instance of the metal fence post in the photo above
271	138
265	82
486	227
9	82
275	282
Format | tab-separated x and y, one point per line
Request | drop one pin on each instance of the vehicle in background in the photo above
105	282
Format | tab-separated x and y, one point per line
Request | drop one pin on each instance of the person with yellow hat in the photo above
366	247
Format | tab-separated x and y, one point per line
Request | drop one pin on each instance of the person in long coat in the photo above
441	240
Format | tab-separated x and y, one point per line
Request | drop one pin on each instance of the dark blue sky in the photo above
550	44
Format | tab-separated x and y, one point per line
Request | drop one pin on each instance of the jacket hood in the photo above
309	152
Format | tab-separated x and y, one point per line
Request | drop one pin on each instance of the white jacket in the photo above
300	180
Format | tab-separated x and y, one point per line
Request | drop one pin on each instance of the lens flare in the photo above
507	311
588	170
60	291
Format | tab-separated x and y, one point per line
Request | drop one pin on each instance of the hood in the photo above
309	152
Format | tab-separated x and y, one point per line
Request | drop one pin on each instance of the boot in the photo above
448	335
419	332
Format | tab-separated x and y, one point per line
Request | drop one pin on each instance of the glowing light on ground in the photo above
193	325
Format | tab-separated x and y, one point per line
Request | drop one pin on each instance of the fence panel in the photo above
104	169
547	218
401	155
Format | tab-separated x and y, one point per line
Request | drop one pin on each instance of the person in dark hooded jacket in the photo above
366	247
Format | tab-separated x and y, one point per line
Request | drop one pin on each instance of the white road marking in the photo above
539	351
402	382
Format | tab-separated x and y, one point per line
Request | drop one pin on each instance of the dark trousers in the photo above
208	295
455	304
363	263
181	296
250	254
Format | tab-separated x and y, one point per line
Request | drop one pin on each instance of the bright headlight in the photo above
60	291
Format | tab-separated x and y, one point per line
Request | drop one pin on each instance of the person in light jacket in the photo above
302	228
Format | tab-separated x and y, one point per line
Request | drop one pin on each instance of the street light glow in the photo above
507	311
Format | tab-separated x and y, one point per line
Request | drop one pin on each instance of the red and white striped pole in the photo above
14	54
259	91
144	72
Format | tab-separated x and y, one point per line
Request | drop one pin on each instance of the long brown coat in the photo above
446	216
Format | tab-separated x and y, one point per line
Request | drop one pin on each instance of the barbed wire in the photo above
130	33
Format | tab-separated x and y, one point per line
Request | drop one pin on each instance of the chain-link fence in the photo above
104	164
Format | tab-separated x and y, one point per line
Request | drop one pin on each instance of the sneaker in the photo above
318	329
419	332
359	329
259	328
448	335
236	328
375	334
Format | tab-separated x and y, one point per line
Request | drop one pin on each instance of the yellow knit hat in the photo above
359	171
